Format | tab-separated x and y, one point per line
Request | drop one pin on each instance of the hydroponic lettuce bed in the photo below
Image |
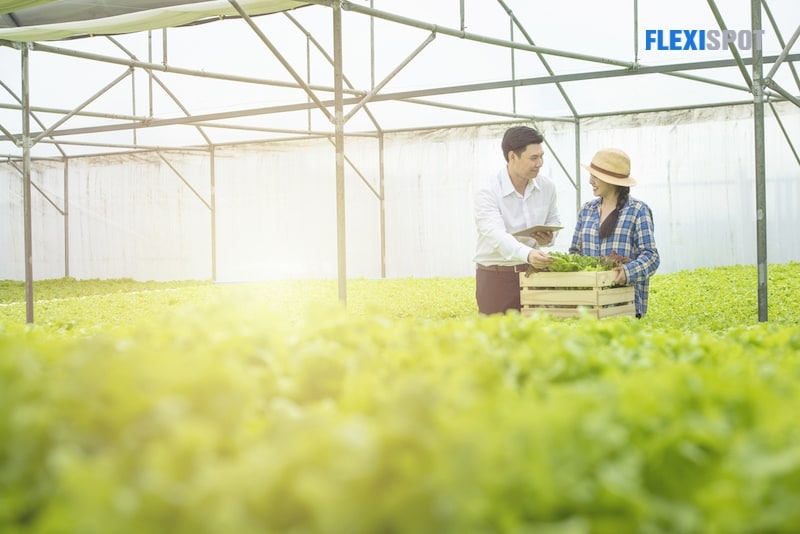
223	409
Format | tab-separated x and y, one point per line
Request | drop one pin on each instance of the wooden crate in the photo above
575	294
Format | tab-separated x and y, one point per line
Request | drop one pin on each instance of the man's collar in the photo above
507	187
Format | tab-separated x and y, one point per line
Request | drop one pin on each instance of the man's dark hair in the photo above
519	137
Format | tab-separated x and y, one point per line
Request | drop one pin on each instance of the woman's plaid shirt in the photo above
633	238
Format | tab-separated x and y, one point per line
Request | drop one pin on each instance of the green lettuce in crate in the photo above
565	262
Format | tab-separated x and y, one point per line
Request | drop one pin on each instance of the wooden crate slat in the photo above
616	311
564	313
615	295
580	311
576	279
575	297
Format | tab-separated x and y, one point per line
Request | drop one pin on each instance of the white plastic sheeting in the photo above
139	217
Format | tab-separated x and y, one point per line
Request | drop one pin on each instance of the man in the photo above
514	199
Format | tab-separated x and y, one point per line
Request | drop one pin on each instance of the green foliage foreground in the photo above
205	408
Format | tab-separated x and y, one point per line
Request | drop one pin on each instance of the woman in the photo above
615	222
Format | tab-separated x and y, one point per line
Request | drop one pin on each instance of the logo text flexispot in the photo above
702	39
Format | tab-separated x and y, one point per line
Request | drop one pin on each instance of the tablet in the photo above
538	228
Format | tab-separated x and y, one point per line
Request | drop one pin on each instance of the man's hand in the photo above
543	238
539	259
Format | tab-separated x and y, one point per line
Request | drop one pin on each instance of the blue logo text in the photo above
702	39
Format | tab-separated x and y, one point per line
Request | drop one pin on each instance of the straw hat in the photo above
612	166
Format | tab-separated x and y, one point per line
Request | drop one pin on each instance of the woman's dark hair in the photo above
608	226
519	137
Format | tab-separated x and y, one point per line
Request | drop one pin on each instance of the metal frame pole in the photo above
213	209
382	200
26	183
339	136
66	218
760	166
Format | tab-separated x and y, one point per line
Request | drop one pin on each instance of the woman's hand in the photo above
622	278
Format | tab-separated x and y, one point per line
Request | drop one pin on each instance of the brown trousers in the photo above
496	291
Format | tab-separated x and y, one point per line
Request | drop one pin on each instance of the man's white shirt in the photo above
500	211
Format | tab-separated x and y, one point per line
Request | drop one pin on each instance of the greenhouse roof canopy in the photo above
47	20
403	65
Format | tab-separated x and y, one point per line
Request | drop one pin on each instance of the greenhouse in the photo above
238	237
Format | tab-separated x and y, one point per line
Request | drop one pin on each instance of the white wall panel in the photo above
276	211
129	217
47	225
